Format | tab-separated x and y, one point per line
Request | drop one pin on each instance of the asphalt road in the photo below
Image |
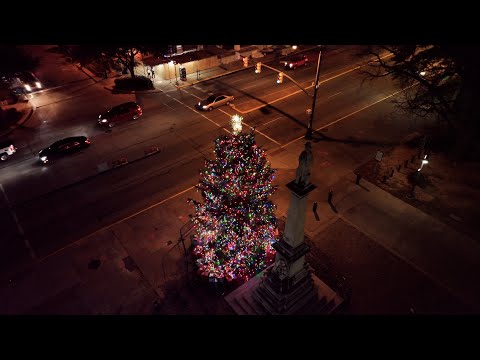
44	208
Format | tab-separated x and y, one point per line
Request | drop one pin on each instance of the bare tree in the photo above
437	80
125	55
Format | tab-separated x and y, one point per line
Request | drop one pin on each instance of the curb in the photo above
113	91
115	165
88	73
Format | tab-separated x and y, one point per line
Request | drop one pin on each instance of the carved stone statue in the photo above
305	161
280	268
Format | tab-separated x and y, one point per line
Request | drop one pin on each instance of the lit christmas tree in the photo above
235	225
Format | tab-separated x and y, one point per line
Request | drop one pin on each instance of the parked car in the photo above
6	149
295	62
214	101
123	112
63	147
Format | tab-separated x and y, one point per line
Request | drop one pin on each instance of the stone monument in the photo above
288	286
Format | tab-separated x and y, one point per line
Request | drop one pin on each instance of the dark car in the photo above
63	147
123	112
295	62
30	81
214	101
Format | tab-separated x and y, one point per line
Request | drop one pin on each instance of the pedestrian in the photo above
315	207
153	74
357	180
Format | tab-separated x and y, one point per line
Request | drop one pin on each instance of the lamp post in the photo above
424	162
416	178
309	133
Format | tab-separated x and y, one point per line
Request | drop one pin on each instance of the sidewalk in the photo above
140	259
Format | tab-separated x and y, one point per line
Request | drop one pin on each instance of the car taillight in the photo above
87	141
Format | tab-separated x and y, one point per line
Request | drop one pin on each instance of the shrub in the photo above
137	83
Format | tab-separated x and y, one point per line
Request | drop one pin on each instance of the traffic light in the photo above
245	61
183	74
258	67
280	78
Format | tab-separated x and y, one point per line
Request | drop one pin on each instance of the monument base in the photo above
309	297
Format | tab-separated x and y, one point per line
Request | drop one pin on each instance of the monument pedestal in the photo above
244	301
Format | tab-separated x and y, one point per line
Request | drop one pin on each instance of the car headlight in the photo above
28	87
43	158
291	65
104	121
204	107
38	85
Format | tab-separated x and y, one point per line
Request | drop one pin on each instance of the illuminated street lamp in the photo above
411	195
424	162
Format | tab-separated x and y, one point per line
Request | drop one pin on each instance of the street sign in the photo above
379	156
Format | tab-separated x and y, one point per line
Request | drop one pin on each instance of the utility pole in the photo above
309	133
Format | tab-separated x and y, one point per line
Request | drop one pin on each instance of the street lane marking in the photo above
308	87
268	122
244	123
334	95
346	116
188	107
19	226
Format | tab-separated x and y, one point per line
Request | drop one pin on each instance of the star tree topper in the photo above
236	122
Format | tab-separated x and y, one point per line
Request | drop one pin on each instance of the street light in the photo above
309	133
424	162
416	179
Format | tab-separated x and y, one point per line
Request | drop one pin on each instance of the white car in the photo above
6	149
214	101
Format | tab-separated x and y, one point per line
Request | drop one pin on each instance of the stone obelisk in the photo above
289	286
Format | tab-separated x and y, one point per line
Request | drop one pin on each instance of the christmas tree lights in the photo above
235	225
